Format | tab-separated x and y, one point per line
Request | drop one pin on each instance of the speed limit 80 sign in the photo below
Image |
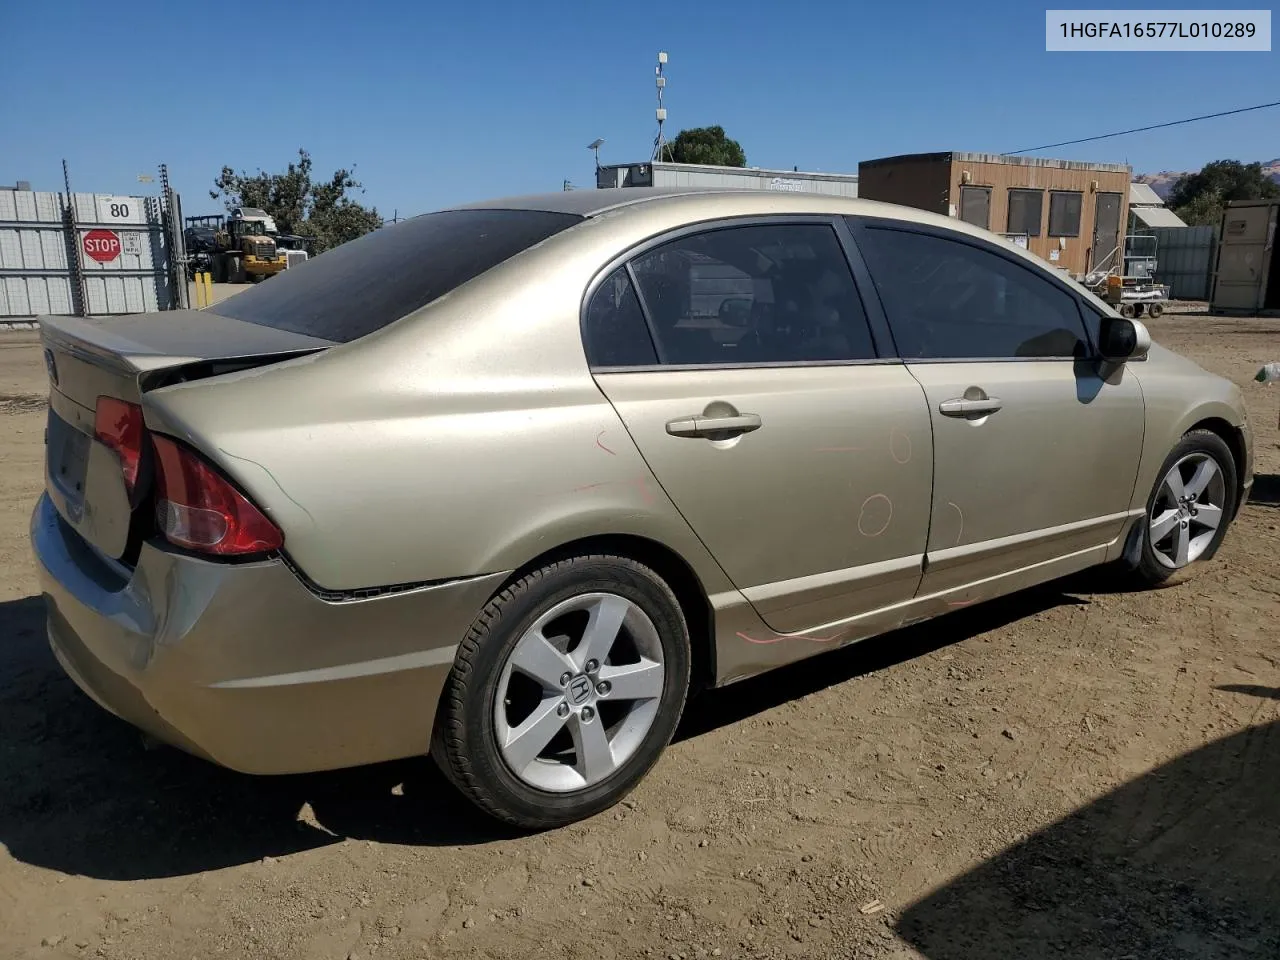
119	209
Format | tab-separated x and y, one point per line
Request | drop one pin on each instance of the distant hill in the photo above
1163	181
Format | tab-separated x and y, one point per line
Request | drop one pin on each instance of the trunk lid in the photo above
122	358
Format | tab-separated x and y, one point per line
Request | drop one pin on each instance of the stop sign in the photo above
102	245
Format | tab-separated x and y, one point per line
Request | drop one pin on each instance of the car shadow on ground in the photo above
1179	863
1266	490
80	792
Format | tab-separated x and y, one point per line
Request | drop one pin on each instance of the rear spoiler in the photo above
142	343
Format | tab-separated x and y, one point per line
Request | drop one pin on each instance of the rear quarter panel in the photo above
466	439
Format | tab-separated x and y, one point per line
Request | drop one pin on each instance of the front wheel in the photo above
1189	509
567	688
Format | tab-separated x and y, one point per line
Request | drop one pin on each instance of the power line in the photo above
1154	126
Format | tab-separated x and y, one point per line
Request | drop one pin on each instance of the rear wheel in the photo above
567	688
1189	509
1155	310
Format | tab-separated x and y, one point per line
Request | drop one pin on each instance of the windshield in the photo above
352	290
252	228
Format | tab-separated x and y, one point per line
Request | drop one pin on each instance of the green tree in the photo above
705	145
1199	198
323	210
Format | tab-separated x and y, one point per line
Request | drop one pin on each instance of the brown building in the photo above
1069	213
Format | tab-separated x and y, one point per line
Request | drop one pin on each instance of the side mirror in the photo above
1123	339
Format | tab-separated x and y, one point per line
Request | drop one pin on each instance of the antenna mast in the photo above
661	82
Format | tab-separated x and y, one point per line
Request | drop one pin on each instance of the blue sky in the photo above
441	103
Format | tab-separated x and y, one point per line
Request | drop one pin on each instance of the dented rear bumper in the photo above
242	663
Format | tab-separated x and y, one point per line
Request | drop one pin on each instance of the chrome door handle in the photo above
969	408
712	426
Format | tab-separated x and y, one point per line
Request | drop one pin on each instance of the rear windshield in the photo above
361	286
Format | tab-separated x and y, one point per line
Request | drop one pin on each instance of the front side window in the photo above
781	293
1025	211
949	300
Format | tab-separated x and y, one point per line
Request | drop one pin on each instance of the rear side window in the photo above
614	332
780	293
948	300
362	286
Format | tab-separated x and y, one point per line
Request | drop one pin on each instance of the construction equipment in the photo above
234	248
1130	286
201	243
295	249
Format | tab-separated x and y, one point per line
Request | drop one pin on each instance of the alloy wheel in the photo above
579	692
1188	510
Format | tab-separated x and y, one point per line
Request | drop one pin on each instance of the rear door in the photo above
1036	446
743	365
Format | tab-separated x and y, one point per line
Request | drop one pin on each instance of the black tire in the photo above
464	742
1149	571
1155	310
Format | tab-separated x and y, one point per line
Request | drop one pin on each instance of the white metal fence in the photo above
97	255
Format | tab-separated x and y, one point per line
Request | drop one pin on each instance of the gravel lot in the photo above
1071	772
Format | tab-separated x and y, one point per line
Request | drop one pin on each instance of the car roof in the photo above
694	204
700	202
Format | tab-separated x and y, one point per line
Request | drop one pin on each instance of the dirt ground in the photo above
1071	772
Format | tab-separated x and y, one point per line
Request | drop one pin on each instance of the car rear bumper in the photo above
242	663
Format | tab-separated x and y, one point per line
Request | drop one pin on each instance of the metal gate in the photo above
97	255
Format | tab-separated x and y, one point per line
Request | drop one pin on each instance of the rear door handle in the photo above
961	407
712	427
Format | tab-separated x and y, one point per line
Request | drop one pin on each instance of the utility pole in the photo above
661	83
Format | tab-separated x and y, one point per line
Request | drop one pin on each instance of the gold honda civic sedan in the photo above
504	483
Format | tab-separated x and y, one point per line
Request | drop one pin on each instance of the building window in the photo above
975	206
1064	214
1025	211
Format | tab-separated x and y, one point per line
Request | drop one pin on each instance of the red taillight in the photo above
118	425
199	510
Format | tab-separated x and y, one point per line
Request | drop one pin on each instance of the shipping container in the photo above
1247	275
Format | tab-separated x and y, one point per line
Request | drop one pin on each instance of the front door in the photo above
799	458
1106	232
1036	446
